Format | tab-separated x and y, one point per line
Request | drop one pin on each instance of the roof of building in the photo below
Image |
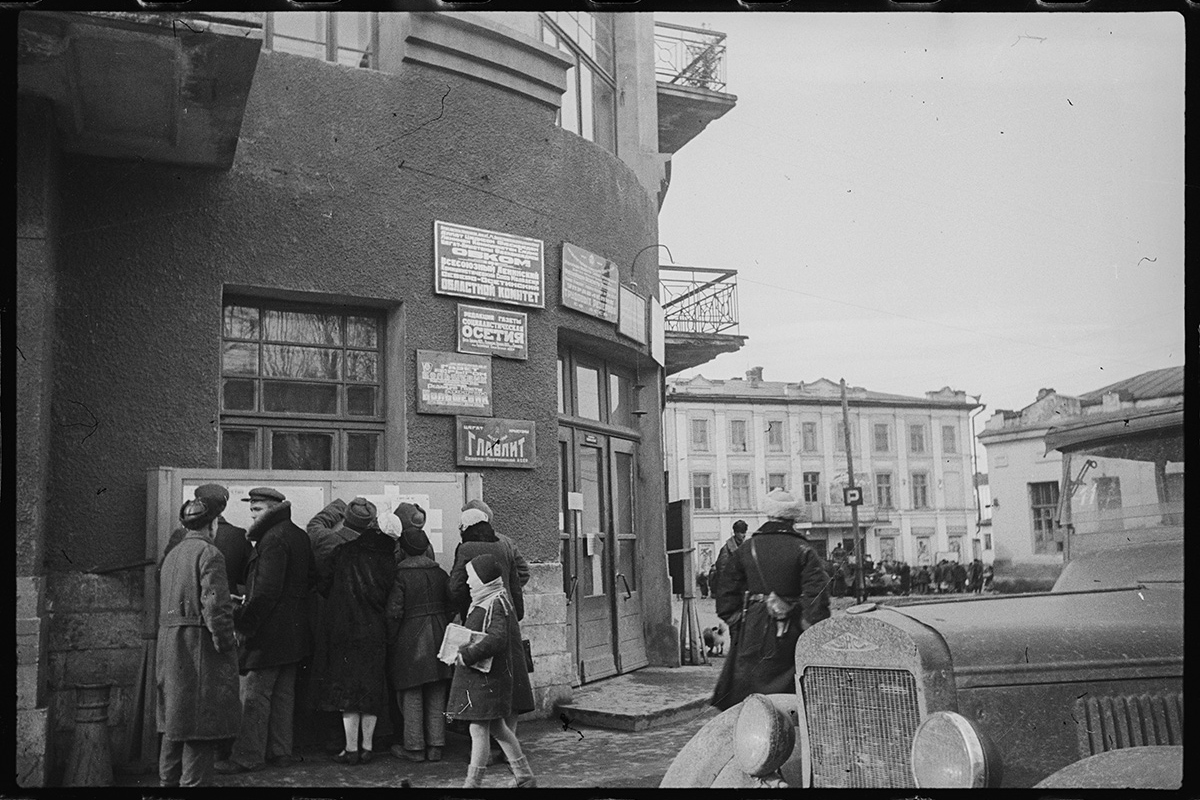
821	390
1156	383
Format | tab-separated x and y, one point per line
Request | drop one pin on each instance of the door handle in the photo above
628	592
571	591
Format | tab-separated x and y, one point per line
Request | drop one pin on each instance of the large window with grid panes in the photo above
589	105
350	38
301	387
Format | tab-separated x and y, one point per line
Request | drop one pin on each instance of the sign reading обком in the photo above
488	265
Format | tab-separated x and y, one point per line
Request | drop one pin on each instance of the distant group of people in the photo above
357	604
898	577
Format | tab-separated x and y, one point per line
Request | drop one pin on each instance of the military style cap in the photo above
264	493
214	492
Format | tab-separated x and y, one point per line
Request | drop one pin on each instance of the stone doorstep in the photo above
633	720
645	698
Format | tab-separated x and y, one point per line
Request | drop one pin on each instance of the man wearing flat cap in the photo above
773	588
229	539
197	670
274	627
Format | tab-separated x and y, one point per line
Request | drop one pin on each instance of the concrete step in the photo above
649	697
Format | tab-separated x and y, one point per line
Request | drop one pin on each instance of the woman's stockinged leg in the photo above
503	734
350	723
368	731
479	743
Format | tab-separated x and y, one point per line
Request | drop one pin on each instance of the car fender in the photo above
708	760
1158	767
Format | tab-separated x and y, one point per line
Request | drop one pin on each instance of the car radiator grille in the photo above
861	724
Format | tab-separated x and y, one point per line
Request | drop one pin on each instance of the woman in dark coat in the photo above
775	559
351	678
486	699
417	614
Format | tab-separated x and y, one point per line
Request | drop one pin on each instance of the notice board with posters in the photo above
589	283
488	265
453	383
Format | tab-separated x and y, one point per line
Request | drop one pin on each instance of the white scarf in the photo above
485	597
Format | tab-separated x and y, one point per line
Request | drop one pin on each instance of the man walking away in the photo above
727	550
197	654
274	628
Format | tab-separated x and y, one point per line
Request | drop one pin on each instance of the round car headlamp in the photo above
948	753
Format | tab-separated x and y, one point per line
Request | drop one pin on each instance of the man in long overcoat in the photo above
774	588
274	628
197	668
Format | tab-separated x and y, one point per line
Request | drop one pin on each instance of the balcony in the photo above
700	308
689	64
170	88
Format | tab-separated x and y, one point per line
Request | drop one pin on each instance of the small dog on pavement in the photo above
714	639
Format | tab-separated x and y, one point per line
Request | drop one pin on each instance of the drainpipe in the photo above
975	464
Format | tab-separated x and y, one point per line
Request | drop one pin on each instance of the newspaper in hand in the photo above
456	636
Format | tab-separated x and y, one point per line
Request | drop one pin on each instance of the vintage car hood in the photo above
1057	636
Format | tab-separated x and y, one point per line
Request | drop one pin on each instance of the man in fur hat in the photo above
274	628
773	588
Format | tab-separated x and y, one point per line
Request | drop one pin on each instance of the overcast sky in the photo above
990	202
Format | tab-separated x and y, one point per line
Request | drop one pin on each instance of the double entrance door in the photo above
600	553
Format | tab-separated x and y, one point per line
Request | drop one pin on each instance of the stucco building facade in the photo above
275	247
1025	480
729	442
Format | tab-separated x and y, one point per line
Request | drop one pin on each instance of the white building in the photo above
1024	479
729	442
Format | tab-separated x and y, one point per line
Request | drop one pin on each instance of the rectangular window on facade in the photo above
595	389
949	439
301	388
882	437
812	487
987	541
883	490
776	480
589	105
344	37
916	438
775	435
739	491
1043	503
808	435
699	435
701	490
737	436
920	490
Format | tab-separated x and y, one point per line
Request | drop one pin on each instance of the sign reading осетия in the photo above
496	442
488	265
589	283
493	332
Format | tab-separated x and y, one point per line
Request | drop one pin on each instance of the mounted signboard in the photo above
493	332
508	443
589	283
633	315
453	383
488	265
658	332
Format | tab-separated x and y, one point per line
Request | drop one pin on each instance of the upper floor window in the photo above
589	106
737	436
883	489
775	435
699	437
301	387
776	480
916	438
949	439
808	437
701	490
839	436
739	491
920	490
882	437
812	486
343	37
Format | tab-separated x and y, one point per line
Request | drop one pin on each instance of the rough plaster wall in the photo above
339	176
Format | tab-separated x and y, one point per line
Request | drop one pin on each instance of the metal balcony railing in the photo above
698	299
692	57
